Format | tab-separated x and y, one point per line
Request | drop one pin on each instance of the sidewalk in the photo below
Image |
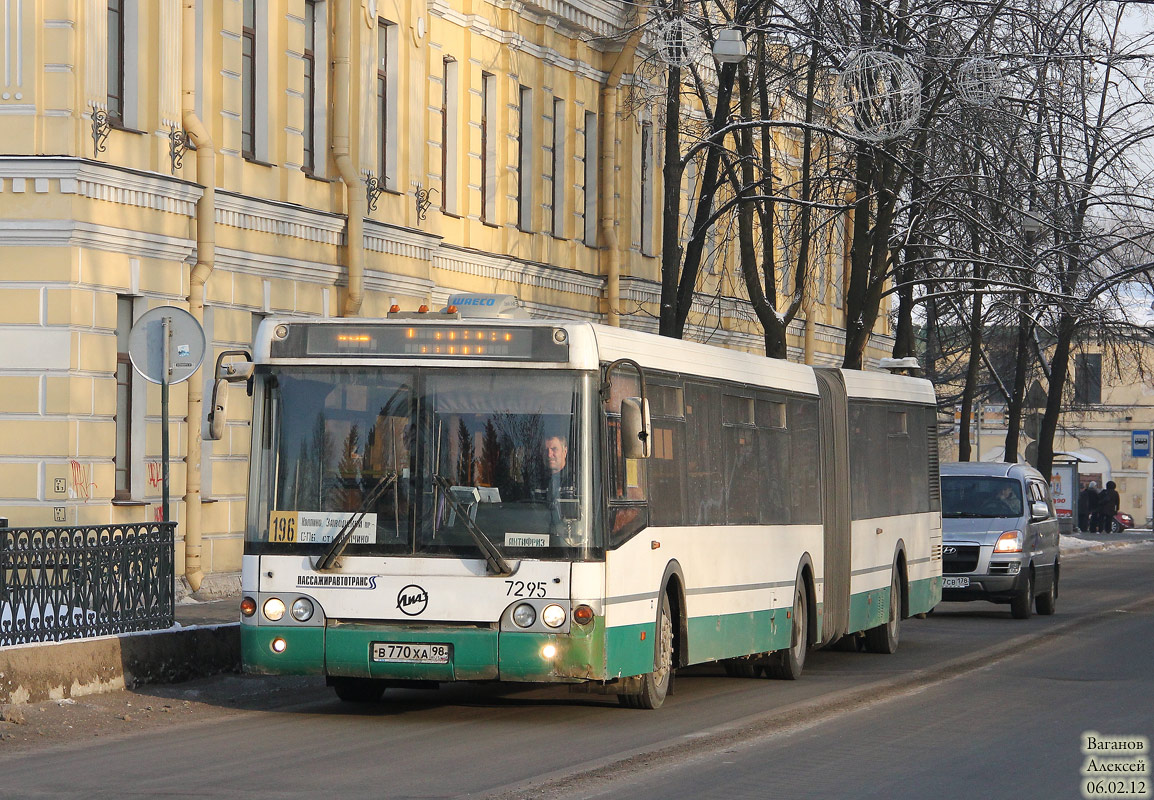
204	641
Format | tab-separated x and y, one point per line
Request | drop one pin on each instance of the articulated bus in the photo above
440	498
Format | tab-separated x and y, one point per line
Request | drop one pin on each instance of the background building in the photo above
248	158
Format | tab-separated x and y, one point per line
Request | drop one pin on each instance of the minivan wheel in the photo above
1047	603
1023	601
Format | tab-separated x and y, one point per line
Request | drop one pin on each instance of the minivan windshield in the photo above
981	497
370	454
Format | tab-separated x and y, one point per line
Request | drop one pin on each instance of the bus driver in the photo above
555	454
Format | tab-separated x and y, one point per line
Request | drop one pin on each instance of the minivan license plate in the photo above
411	652
955	583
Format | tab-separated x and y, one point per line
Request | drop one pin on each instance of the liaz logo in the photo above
412	600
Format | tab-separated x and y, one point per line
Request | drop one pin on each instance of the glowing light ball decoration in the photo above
979	82
883	94
677	42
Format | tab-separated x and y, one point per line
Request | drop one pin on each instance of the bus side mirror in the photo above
218	414
227	372
636	429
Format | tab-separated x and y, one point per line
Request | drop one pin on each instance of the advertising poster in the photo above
1064	487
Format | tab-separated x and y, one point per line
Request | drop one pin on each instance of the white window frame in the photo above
320	99
557	170
525	159
489	148
387	139
590	182
450	134
646	169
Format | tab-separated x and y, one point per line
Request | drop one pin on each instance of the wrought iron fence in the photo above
71	582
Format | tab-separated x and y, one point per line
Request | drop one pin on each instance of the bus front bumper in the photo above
346	649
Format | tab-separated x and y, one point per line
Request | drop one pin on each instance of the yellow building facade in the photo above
249	158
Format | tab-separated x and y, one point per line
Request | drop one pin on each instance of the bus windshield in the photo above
399	457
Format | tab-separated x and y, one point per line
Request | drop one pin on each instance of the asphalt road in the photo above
974	704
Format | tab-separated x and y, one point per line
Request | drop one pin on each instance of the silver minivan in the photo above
999	536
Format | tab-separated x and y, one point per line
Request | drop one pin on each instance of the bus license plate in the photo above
411	652
955	583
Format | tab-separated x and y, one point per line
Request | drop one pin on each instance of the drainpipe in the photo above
205	259
610	207
356	203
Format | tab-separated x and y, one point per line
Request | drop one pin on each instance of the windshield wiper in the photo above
493	558
345	534
966	515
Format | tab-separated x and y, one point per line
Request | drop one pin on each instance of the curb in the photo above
32	673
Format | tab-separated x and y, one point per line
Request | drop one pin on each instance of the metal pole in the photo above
165	374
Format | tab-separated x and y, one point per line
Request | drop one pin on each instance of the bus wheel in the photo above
655	685
884	638
358	690
787	664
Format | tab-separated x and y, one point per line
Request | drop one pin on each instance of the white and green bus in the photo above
440	498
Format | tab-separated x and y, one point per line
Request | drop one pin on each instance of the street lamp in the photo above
729	48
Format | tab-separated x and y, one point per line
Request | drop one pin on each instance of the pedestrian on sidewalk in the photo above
1109	502
1087	501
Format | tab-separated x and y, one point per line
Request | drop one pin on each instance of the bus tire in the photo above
788	664
885	637
358	690
654	686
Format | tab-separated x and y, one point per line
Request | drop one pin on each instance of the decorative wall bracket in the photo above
101	125
178	143
424	200
373	188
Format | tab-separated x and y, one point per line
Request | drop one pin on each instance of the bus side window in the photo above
628	487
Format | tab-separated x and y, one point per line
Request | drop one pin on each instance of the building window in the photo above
488	148
387	68
1088	378
116	60
122	459
449	123
309	164
647	188
590	180
558	168
248	91
525	161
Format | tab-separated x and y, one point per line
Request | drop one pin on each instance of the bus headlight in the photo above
553	616
302	609
274	609
524	615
